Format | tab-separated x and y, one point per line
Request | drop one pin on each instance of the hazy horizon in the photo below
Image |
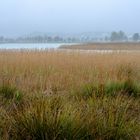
71	16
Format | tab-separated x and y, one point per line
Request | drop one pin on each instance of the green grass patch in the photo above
10	95
109	88
126	87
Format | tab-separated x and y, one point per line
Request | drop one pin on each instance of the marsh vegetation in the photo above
57	95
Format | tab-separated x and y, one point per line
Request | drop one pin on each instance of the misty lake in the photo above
31	45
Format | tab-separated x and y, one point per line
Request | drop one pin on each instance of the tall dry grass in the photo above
42	70
61	95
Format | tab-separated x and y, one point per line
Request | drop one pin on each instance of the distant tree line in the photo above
121	36
118	36
114	37
39	39
136	37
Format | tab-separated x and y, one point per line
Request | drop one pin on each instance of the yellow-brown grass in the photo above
104	46
69	95
63	70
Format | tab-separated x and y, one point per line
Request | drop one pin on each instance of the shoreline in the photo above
113	46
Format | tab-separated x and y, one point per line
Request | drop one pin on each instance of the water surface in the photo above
30	45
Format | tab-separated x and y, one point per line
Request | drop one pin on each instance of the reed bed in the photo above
61	95
121	46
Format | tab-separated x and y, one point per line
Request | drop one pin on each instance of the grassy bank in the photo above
50	95
105	46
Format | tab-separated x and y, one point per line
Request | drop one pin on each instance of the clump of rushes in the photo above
127	87
49	119
11	98
113	118
52	118
110	88
89	90
86	91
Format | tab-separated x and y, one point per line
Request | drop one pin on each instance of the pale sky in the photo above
18	17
